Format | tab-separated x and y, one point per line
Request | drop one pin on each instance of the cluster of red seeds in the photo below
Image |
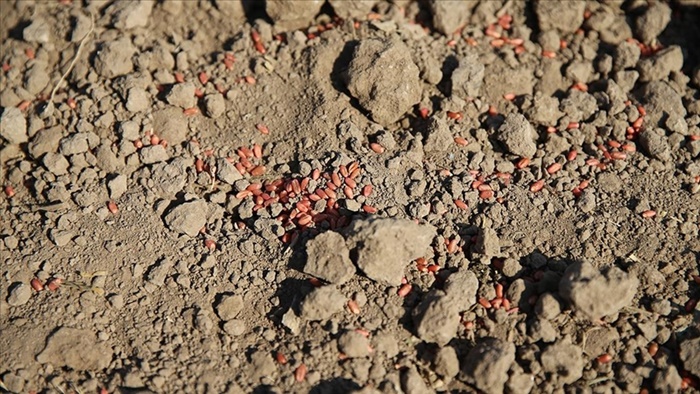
52	284
298	200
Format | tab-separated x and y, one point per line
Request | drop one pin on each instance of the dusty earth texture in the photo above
350	196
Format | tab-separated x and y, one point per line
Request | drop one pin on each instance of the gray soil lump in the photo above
384	79
352	9
292	15
594	294
690	354
329	258
518	136
385	246
565	16
322	303
564	361
450	15
188	218
487	365
76	349
468	77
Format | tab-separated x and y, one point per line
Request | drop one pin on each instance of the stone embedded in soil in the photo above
690	355
227	172
353	344
488	243
329	258
544	110
114	59
626	55
36	79
38	31
182	95
322	303
660	101
661	64
19	294
137	100
436	318
412	382
563	361
654	20
667	380
384	79
352	9
187	218
487	364
74	144
653	142
446	363
292	14
117	186
565	16
579	105
438	135
461	287
170	124
76	349
517	135
468	77
131	14
56	163
229	306
450	15
384	247
44	141
153	154
262	365
214	105
158	271
13	126
595	294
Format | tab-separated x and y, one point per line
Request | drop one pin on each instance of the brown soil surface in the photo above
352	196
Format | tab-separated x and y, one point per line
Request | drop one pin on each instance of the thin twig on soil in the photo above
49	106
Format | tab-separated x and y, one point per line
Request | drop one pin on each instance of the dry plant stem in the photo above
49	106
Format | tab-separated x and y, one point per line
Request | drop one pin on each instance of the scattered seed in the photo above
281	358
572	125
209	244
203	78
461	141
257	170
485	303
499	290
571	155
262	129
649	213
690	305
454	115
509	96
369	209
367	190
376	147
423	112
54	283
112	207
9	191
300	373
537	186
461	204
354	308
618	155
486	194
36	284
404	290
653	349
522	163
604	358
552	169
549	54
191	111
